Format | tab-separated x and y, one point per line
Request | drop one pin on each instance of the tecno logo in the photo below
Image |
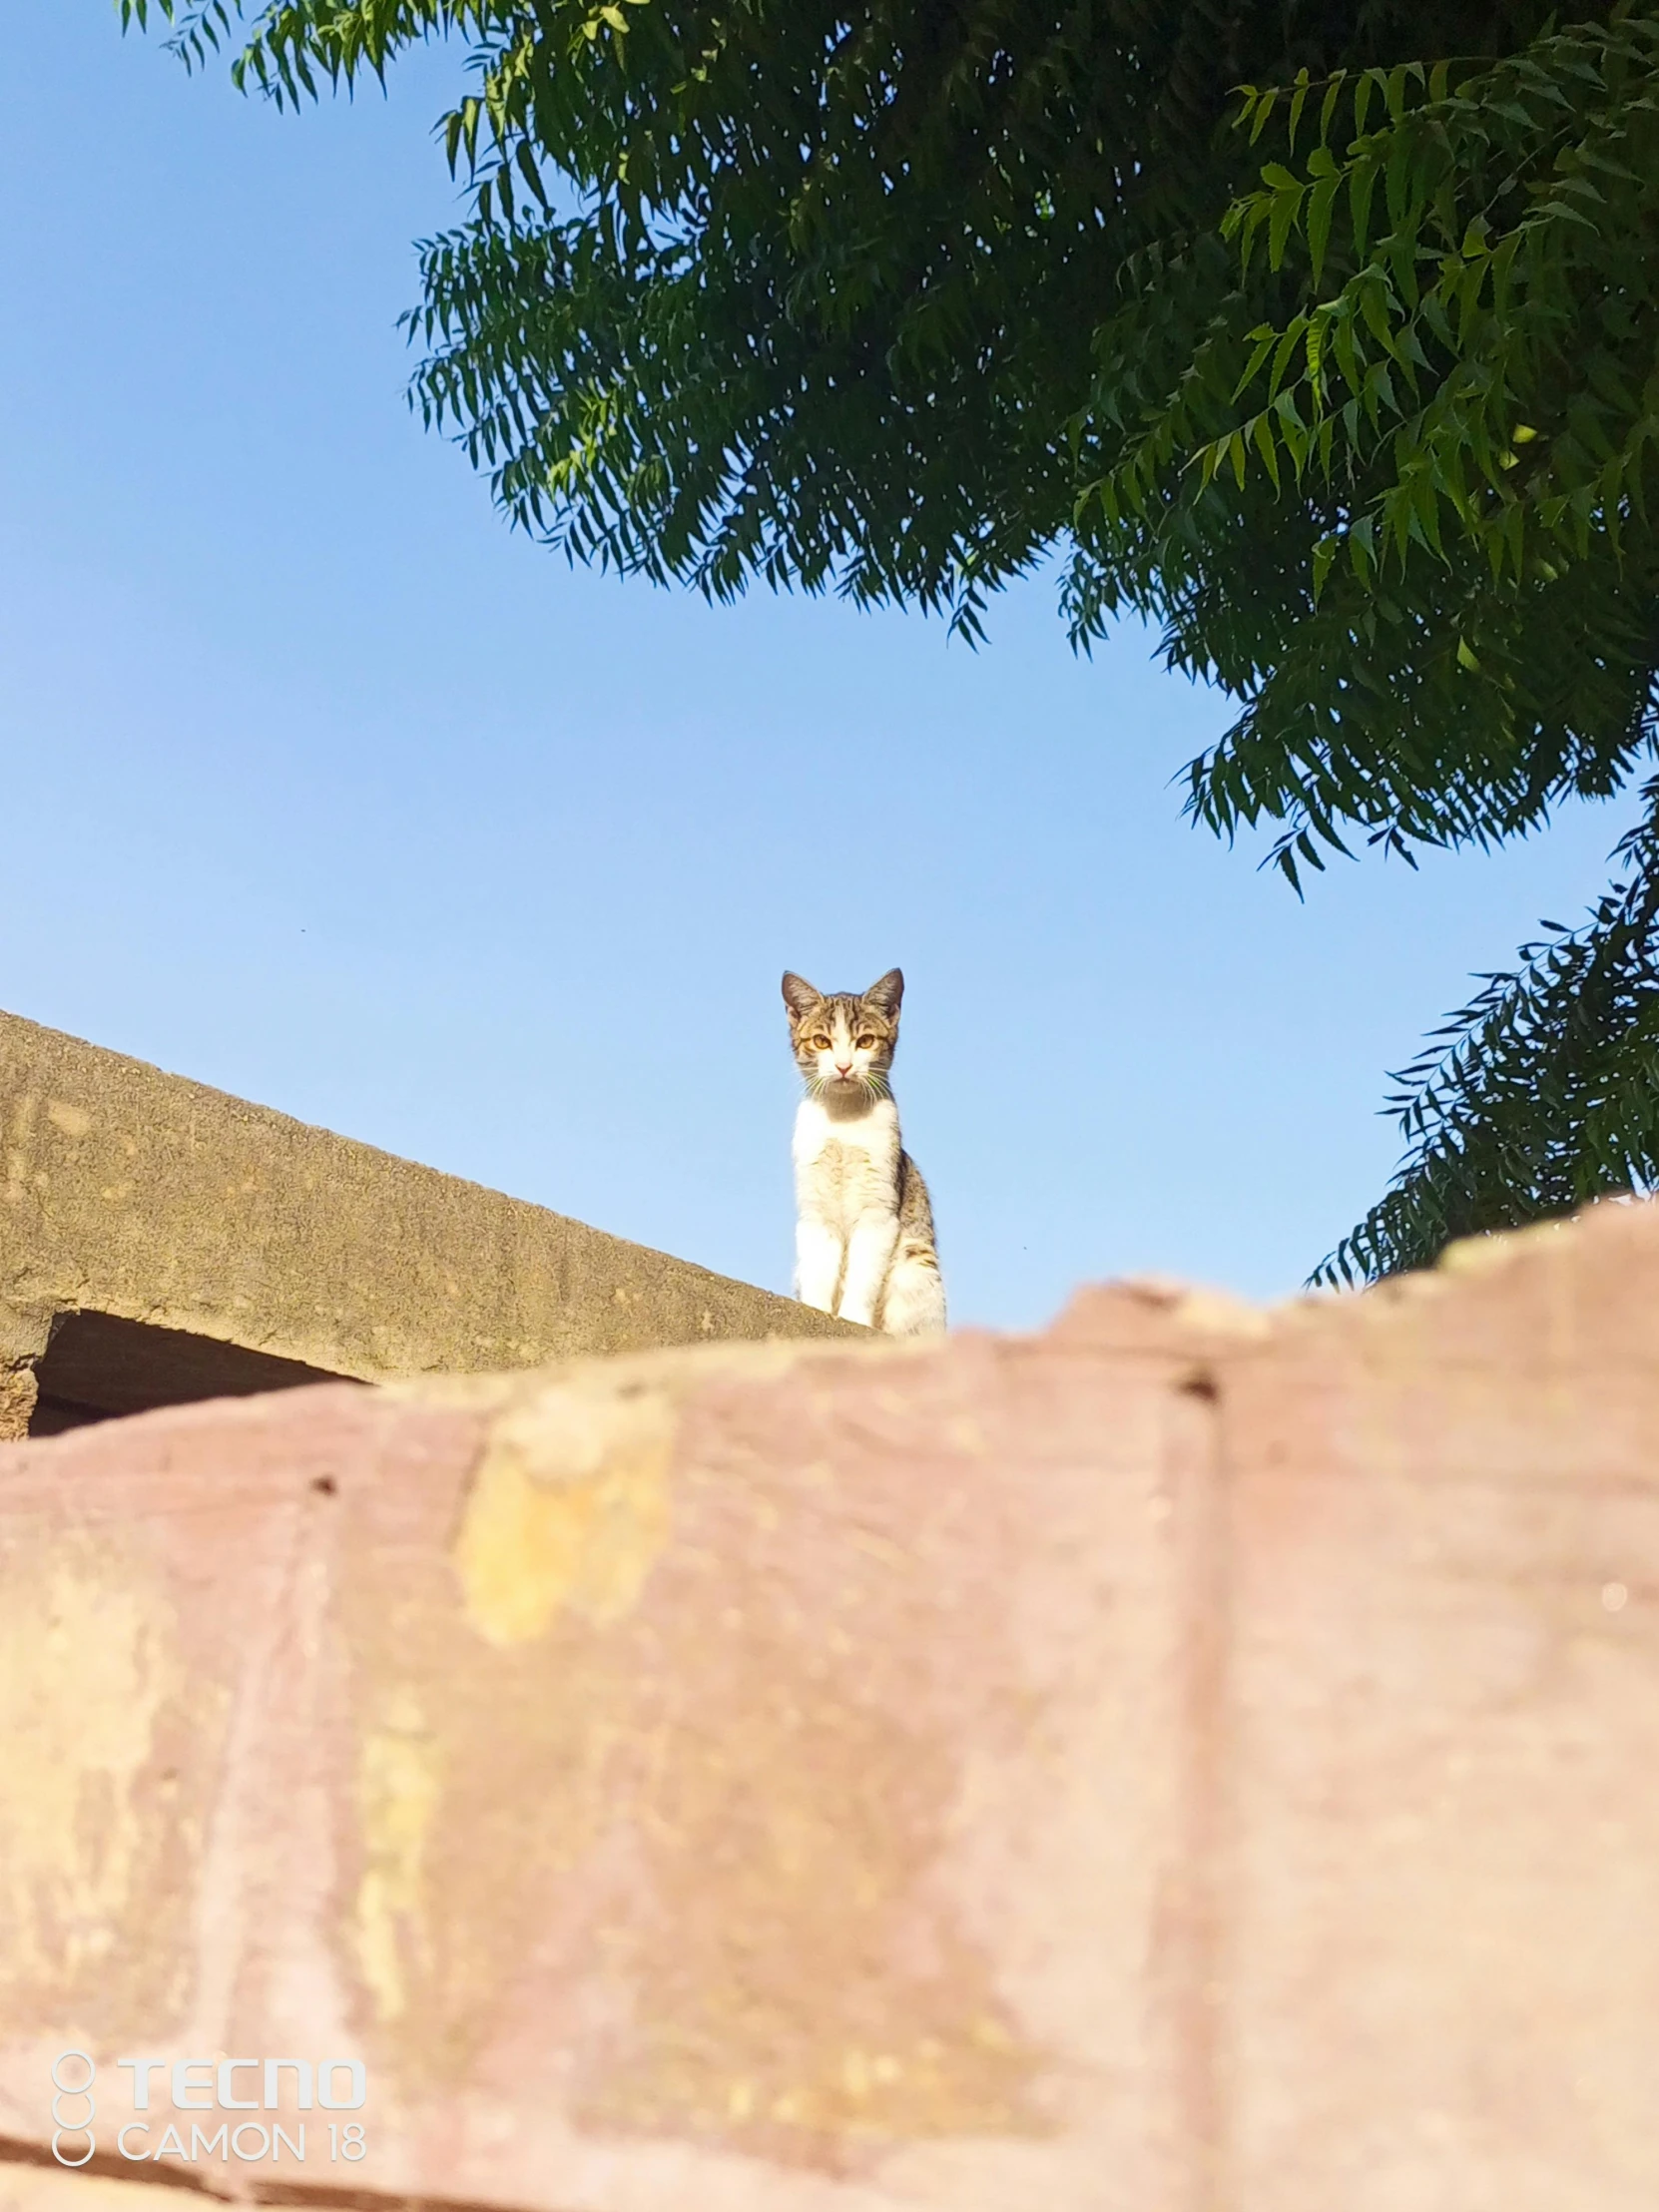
62	2123
207	2085
194	2094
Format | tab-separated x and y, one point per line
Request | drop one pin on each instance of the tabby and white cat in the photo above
863	1238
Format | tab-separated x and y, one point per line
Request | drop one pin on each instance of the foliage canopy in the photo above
1326	335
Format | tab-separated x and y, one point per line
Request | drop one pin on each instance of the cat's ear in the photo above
885	995
800	996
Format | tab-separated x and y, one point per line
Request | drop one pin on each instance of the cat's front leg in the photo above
818	1263
870	1252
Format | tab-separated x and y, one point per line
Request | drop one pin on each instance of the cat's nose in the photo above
843	1067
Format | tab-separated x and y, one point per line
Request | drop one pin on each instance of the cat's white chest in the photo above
846	1168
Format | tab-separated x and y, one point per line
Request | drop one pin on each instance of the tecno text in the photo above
281	2087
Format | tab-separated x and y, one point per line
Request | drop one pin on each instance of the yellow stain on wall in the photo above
398	1788
88	1660
568	1509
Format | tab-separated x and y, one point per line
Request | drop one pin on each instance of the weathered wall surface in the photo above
1193	1761
134	1193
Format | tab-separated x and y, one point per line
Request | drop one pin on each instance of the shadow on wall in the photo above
97	1366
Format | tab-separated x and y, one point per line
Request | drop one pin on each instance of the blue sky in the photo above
325	789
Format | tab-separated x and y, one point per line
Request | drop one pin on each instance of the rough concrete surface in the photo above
126	1192
1191	1761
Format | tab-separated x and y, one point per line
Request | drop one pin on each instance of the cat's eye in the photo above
819	1044
866	1044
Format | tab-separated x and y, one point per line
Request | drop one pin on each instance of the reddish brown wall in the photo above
1194	1760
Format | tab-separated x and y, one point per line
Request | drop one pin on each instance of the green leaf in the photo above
1320	203
1260	431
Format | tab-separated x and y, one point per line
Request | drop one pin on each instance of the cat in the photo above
864	1236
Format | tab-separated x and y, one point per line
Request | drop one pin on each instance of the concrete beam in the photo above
135	1193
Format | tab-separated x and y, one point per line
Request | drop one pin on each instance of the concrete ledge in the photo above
134	1193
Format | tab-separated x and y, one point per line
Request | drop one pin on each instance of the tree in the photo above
1324	336
1539	1094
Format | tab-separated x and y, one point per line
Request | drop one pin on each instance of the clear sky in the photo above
323	787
